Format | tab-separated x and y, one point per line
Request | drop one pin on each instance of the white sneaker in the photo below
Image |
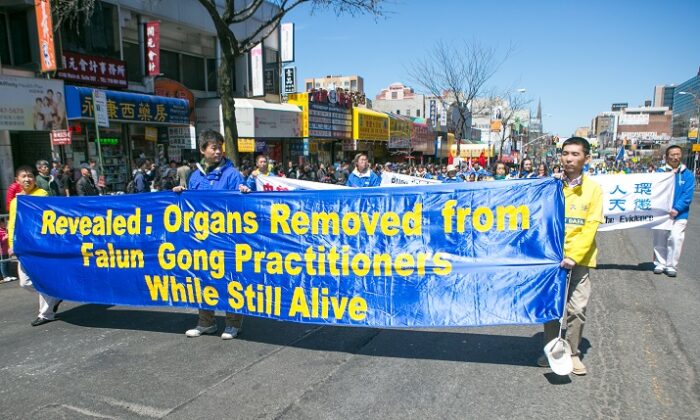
6	280
658	269
199	330
671	272
230	333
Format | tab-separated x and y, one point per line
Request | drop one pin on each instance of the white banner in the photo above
287	39
256	68
636	200
99	100
276	183
392	178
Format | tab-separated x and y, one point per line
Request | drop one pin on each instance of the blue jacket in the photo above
369	179
683	194
223	177
452	180
250	181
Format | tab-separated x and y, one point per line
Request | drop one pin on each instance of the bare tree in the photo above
225	15
513	102
457	74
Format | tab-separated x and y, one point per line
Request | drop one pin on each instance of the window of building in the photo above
213	75
318	85
398	112
309	86
170	64
132	56
4	41
193	72
19	38
408	112
417	112
346	83
394	95
97	35
353	85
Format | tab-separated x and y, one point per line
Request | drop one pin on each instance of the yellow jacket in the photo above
582	215
13	213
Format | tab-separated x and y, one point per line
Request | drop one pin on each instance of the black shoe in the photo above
40	321
55	307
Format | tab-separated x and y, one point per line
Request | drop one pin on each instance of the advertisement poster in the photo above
28	104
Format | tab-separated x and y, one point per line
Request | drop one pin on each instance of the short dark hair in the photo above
41	162
208	137
578	141
673	146
259	156
24	168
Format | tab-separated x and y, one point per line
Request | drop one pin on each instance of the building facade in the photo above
663	95
352	83
685	106
400	100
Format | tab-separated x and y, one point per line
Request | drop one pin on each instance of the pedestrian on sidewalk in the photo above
668	237
4	253
48	306
583	200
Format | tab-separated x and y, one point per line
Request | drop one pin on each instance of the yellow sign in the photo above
696	147
246	145
151	134
496	126
302	101
369	125
471	150
693	133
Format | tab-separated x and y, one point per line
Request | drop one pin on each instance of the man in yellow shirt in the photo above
583	200
47	305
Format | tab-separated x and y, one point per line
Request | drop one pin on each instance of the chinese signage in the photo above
151	134
28	104
399	132
182	137
93	70
99	101
256	67
635	200
128	107
433	112
172	89
60	137
152	48
246	145
287	41
325	114
422	139
44	27
290	79
370	125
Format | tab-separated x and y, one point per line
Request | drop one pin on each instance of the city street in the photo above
641	348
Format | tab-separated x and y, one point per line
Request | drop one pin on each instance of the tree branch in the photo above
231	16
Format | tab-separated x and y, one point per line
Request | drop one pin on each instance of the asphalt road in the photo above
641	348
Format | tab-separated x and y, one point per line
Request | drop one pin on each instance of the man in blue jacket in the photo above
261	168
362	175
668	238
215	172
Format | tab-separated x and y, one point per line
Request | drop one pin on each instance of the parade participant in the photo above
556	169
261	168
85	185
542	170
67	181
45	180
668	237
183	173
362	175
215	172
583	213
140	181
526	169
501	172
47	305
451	175
4	253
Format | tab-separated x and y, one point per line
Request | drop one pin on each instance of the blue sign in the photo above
128	107
420	256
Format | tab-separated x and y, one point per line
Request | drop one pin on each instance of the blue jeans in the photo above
4	266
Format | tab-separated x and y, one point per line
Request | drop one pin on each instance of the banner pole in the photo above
97	136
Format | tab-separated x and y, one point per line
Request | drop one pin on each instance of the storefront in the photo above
326	122
422	141
370	133
399	146
272	129
134	120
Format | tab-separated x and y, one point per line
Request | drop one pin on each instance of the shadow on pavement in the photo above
645	266
447	345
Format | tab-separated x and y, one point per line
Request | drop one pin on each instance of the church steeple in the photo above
539	109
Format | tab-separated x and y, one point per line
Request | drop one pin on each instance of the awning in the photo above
254	118
128	107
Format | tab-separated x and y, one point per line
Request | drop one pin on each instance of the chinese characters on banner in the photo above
93	70
635	200
60	137
44	27
152	48
290	79
256	64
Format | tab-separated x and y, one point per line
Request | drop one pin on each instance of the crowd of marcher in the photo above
583	208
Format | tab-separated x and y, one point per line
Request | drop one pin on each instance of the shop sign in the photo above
433	112
128	107
399	133
93	70
246	145
182	137
172	89
44	27
329	113
290	79
28	104
256	67
370	125
151	134
355	146
99	100
423	139
152	48
60	137
287	42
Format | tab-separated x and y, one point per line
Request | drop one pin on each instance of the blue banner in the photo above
420	256
128	107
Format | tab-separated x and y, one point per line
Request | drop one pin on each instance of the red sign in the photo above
152	48
173	89
93	70
44	27
60	137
